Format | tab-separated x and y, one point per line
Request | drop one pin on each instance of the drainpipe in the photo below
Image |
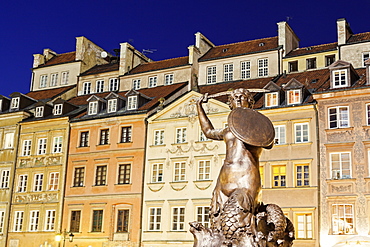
318	171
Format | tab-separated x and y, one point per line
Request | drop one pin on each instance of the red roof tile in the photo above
246	47
312	49
61	58
49	93
359	37
163	64
102	69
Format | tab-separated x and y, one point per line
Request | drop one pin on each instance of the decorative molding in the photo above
42	197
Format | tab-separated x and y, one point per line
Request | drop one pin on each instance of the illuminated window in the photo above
294	96
53	181
342	219
279	176
271	99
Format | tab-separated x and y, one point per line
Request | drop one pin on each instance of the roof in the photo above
241	48
60	58
158	65
102	69
49	93
312	49
360	37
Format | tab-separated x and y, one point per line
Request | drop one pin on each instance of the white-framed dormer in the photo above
342	74
273	95
93	108
340	78
294	96
39	111
132	102
295	92
96	104
58	109
114	102
14	104
112	105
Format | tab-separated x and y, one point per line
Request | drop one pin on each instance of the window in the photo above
79	176
34	220
93	107
181	135
124	174
304	226
126	134
228	72
158	137
14	103
279	134
178	218
87	88
279	176
153	81
65	76
294	96
132	103
112	105
202	137
262	175
342	216
155	215
41	148
101	175
75	221
2	219
203	215
157	173
302	175
50	220
18	221
211	75
5	175
123	220
84	139
97	221
365	56
54	80
340	78
179	172
104	137
38	182
113	84
301	132
329	60
340	165
39	111
43	81
57	146
136	84
8	140
271	99
245	69
338	117
53	181
293	66
168	79
22	183
99	86
204	169
311	63
263	67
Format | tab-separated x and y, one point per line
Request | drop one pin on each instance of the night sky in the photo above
27	27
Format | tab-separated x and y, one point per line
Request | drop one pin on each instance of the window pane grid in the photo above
124	174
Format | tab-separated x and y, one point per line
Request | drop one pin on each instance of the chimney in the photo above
38	59
287	38
49	54
130	58
344	31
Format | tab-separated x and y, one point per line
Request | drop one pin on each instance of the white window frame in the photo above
204	170
228	72
263	67
152	81
99	86
304	225
202	137
155	218
34	220
2	221
181	135
157	173
341	117
86	88
43	81
300	135
132	102
112	105
179	171
54	80
53	181
245	69
41	146
22	183
5	178
65	77
159	137
294	96
280	134
136	84
38	182
368	114
178	219
340	78
365	56
203	215
335	225
93	108
211	74
18	221
58	144
271	99
58	109
168	79
338	174
50	216
39	111
14	103
8	140
113	84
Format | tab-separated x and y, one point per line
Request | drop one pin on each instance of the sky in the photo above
166	27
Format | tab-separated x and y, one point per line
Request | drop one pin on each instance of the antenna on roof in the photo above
288	18
146	51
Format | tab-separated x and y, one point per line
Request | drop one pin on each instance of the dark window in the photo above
78	180
293	66
84	139
104	136
329	60
126	134
311	63
75	221
122	220
124	174
97	221
101	175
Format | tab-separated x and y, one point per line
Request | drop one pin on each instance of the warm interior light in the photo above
58	237
71	237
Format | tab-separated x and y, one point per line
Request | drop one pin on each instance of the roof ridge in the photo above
246	41
316	45
164	60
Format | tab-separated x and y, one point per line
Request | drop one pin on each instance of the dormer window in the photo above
294	96
112	105
340	78
39	112
58	109
15	103
93	108
271	99
132	103
1	105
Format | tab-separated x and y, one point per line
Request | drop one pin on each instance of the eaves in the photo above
305	54
128	73
45	66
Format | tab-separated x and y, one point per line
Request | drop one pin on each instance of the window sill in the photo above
83	147
182	231
123	184
101	185
153	231
339	129
124	142
99	145
182	143
78	186
158	145
302	143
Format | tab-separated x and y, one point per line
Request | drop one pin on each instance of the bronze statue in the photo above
237	216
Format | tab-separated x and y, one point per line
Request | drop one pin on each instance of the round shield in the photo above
251	127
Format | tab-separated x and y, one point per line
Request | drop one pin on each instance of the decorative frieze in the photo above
39	161
39	197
